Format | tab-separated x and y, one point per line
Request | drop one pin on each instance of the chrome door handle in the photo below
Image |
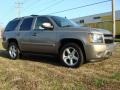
34	34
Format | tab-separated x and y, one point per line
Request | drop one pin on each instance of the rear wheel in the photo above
71	55
13	51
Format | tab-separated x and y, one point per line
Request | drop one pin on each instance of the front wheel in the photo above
71	55
13	51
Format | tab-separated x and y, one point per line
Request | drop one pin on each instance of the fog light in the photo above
100	54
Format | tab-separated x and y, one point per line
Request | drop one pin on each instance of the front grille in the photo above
108	35
107	41
108	38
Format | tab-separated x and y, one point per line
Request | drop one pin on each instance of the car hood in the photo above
88	29
84	29
103	31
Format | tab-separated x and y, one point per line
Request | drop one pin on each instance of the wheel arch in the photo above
76	41
12	40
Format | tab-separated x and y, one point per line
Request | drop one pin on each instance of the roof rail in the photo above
33	15
15	18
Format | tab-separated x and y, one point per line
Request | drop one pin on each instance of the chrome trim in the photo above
41	44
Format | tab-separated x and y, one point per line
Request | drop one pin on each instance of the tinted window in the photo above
96	17
81	21
12	25
26	25
40	21
63	22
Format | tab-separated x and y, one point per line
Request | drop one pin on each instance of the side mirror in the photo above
47	25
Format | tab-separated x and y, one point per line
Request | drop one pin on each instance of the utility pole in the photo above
113	18
18	8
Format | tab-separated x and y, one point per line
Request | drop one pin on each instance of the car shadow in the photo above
3	54
34	57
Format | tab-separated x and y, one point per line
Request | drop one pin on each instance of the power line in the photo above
30	5
80	7
52	5
25	1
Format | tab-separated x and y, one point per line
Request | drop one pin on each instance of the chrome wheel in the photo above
70	56
13	51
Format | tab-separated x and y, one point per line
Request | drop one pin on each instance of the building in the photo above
103	20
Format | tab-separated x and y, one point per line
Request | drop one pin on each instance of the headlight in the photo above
96	38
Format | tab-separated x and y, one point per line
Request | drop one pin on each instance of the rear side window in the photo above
26	25
12	25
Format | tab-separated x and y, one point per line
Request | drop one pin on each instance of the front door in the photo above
41	39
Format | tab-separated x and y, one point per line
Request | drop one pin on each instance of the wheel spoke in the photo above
12	54
68	51
71	62
73	52
65	57
75	58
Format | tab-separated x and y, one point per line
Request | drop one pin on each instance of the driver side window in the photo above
40	21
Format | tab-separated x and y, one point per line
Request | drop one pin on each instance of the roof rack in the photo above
33	15
15	18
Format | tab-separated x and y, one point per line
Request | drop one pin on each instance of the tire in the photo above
71	55
13	51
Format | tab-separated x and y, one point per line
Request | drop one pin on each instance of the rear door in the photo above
24	33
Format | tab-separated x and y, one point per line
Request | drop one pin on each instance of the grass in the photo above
36	72
117	40
99	82
116	76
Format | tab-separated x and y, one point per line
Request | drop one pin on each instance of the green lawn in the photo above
34	72
117	40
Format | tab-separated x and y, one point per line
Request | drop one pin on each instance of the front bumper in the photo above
99	51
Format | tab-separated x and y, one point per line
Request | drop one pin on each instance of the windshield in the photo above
63	22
